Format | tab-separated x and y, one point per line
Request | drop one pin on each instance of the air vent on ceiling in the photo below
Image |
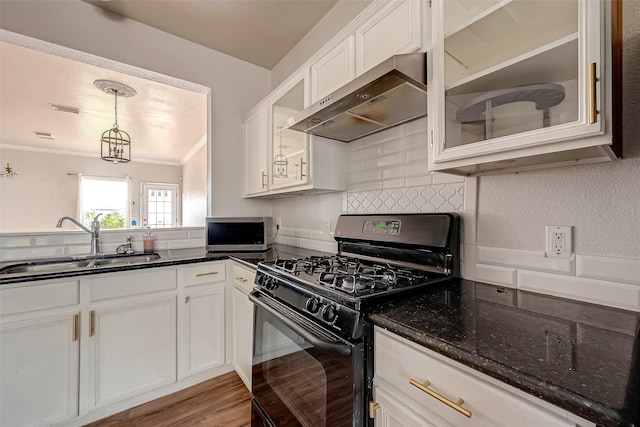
65	109
44	135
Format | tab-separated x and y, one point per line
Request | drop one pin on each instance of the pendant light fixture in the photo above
280	160
115	144
8	171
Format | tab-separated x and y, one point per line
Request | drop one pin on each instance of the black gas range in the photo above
311	312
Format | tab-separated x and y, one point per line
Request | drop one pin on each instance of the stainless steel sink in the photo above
60	265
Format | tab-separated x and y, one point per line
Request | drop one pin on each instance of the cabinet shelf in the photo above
556	61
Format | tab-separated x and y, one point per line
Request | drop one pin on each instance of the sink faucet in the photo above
94	231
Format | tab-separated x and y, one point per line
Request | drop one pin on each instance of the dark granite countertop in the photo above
579	356
167	258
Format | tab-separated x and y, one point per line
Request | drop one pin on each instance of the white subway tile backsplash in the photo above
11	241
393	183
385	161
590	290
395	132
418	181
402	171
302	234
534	260
607	268
69	243
445	178
417	126
407	143
366	175
504	276
367	153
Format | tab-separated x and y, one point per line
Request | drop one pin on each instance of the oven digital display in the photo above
381	227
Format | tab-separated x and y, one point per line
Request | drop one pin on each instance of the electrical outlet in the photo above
559	241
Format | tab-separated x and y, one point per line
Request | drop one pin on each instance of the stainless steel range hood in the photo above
392	93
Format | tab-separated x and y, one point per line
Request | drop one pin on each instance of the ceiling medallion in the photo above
115	144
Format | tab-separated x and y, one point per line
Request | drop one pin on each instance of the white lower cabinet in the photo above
243	279
203	317
40	371
133	348
203	330
404	371
74	351
39	353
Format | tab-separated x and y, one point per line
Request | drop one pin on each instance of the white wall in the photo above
44	191
236	86
194	189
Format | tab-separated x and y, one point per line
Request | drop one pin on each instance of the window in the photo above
106	196
160	205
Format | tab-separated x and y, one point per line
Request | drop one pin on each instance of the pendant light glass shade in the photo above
115	144
280	162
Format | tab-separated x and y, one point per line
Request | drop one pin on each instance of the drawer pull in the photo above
211	273
92	315
74	328
454	405
241	279
186	300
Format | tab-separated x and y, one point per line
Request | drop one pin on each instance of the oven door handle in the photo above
332	346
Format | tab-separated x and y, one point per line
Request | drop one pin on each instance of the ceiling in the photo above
261	32
166	123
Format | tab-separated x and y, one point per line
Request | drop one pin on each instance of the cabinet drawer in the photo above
200	274
397	361
131	283
38	297
243	278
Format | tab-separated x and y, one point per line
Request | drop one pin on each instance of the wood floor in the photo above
221	402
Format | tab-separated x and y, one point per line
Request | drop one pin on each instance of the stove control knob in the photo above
271	284
330	313
313	305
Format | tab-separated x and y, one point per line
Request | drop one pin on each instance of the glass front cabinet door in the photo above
516	84
289	148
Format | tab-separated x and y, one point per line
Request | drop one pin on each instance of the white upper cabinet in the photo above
516	84
333	70
256	146
396	28
289	154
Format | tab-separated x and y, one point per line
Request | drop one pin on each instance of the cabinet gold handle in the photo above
453	405
74	328
302	163
593	79
210	273
186	300
264	175
241	279
92	315
372	408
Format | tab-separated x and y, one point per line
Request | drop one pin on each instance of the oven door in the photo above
303	375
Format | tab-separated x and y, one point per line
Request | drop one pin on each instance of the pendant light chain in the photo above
116	108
